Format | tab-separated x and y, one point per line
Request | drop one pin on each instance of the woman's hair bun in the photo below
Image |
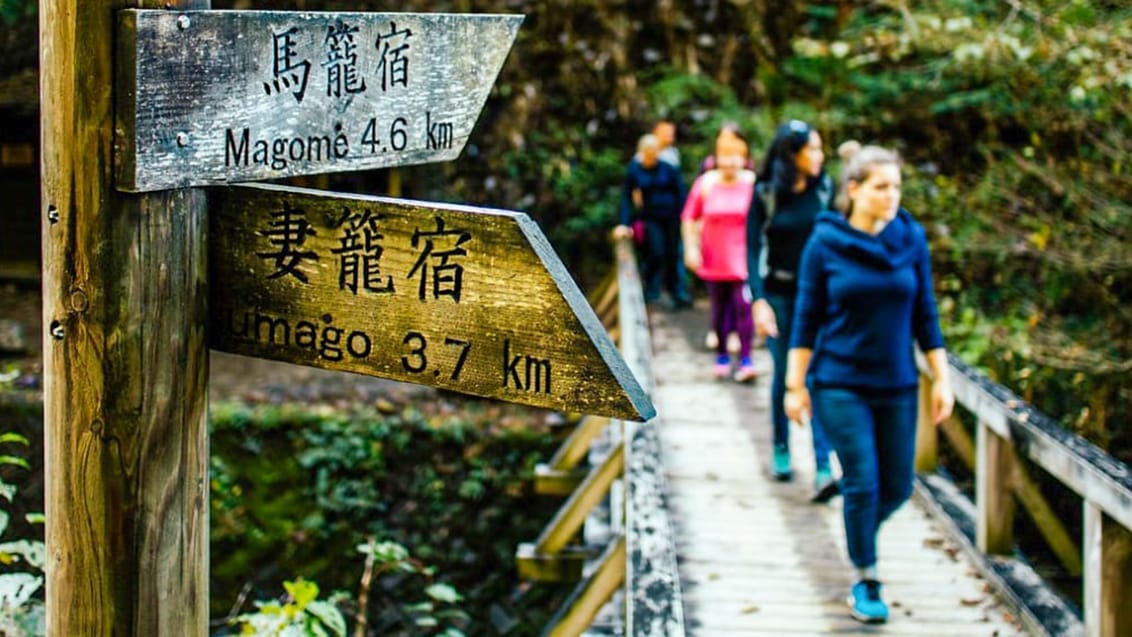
848	149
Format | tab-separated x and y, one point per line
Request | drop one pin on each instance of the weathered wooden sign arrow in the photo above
467	299
215	97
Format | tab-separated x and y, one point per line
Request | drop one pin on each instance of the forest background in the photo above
1013	116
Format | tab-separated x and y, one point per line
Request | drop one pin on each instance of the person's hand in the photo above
943	401
622	232
638	198
797	404
766	324
692	258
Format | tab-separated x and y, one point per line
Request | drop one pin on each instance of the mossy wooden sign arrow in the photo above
467	299
213	97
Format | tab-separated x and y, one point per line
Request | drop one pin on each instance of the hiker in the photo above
864	295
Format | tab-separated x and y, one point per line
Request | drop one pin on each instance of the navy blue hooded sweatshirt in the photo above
662	189
862	299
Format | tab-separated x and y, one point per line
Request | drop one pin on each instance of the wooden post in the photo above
1108	575
1029	496
927	434
125	359
994	532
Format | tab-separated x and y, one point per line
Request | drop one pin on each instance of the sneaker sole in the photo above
826	493
861	617
783	477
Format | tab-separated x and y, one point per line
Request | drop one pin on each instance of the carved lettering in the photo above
277	331
440	134
235	154
535	372
278	153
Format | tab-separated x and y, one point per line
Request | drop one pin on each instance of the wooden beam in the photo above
1108	575
1049	524
927	434
566	565
994	527
578	444
569	518
125	359
598	293
579	611
551	481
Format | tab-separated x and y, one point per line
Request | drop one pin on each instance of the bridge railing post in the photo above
1108	575
927	435
994	528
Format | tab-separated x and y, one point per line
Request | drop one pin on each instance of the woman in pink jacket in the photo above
714	224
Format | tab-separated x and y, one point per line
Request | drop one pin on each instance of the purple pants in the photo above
731	312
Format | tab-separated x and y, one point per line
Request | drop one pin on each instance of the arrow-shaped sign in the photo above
213	97
467	299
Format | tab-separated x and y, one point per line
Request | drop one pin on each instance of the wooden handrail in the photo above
1008	428
1074	461
640	561
653	599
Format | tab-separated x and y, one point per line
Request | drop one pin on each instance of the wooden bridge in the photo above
694	538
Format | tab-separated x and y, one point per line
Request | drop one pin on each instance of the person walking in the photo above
727	130
654	193
793	189
665	132
714	224
864	296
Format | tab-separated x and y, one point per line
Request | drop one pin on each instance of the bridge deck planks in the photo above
756	557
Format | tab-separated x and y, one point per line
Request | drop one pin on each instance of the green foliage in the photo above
1014	119
299	614
22	561
295	489
12	11
432	614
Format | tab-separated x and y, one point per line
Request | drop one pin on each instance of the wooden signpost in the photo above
467	299
142	274
211	97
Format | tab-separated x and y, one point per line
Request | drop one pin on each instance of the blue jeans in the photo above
783	306
874	434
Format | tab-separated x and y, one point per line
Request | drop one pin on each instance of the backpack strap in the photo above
765	192
825	191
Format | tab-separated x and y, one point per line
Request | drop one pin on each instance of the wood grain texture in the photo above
467	299
125	362
232	96
994	528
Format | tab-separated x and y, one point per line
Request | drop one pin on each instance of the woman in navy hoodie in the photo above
864	294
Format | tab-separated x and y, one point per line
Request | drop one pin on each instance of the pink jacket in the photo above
722	210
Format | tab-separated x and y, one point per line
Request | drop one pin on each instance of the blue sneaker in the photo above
865	604
826	486
780	468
